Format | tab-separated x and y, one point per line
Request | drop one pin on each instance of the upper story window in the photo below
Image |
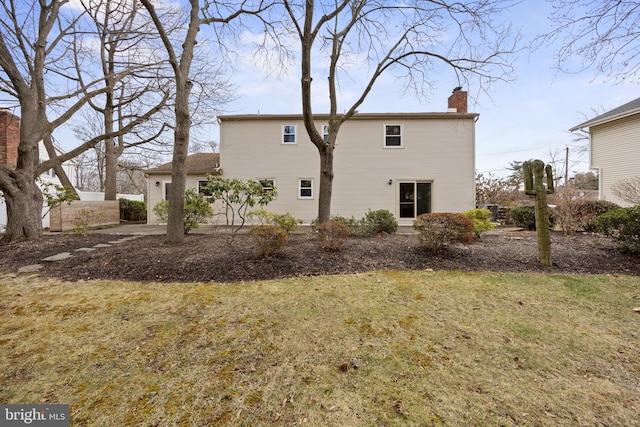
289	134
393	136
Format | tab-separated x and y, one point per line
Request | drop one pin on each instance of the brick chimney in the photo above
458	101
9	138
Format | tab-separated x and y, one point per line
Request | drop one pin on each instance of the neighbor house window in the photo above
202	188
267	184
393	135
167	190
305	189
289	134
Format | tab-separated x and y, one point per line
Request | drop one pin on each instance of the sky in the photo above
525	119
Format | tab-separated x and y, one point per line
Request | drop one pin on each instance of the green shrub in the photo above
285	221
333	234
623	225
132	210
481	220
377	222
374	222
587	211
525	217
197	210
437	230
270	240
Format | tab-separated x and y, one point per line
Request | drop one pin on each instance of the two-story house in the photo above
614	146
407	163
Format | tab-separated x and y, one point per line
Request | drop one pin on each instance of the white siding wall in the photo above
615	151
440	150
157	194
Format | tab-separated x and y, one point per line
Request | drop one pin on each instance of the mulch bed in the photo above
206	257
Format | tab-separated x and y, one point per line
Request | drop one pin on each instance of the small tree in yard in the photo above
237	197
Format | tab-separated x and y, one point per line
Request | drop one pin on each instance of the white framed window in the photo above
268	184
393	136
305	188
325	132
202	188
288	134
167	190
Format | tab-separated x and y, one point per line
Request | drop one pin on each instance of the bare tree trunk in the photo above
24	208
326	184
111	169
175	223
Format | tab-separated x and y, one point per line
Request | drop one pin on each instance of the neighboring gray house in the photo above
407	163
614	146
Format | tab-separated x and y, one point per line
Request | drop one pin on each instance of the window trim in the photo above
271	183
300	188
205	181
325	135
284	134
386	135
165	193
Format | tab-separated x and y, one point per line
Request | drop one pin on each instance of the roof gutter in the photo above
595	122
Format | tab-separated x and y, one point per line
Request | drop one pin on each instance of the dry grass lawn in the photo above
376	349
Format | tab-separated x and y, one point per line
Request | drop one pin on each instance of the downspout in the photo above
592	167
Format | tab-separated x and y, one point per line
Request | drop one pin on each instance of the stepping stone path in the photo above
58	257
64	255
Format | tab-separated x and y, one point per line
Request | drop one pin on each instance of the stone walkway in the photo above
33	268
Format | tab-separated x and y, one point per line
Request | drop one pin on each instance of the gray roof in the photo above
628	109
197	164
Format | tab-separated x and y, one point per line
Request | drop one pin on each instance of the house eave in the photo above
597	122
357	116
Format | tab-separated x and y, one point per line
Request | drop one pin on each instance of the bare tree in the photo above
586	181
598	34
628	190
127	42
493	190
181	56
415	39
35	42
